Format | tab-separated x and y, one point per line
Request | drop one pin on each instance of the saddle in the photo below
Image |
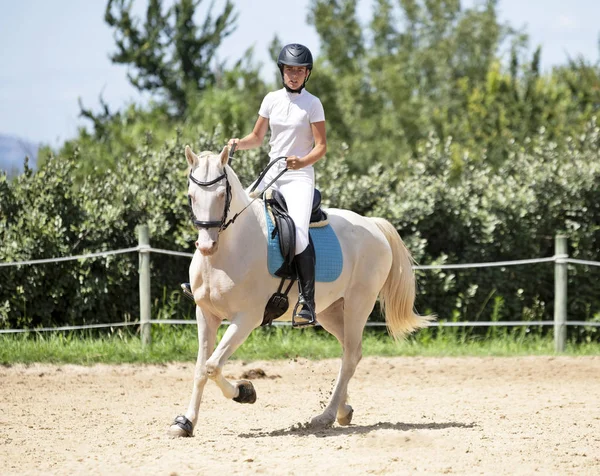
285	229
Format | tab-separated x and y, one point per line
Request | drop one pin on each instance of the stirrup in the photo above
186	289
305	318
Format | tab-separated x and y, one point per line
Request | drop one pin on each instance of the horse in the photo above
230	281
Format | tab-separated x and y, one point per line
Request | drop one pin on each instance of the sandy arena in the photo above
411	415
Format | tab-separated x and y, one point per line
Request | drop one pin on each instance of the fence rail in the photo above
287	324
560	260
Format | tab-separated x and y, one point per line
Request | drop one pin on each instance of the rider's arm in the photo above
318	151
256	137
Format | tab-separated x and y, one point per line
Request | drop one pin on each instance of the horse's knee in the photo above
212	370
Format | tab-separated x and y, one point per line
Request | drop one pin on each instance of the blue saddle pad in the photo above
327	250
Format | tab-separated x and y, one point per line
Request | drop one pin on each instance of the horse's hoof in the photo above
346	419
246	394
322	421
181	427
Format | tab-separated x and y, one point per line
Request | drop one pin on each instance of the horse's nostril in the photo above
206	248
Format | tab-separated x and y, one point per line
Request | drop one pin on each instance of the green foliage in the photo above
169	52
433	66
224	110
447	213
480	213
439	120
44	215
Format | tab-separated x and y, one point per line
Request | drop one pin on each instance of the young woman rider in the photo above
297	123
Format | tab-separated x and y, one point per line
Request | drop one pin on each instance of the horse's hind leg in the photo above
354	314
332	320
207	332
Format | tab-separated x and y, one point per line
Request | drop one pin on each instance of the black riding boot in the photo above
304	312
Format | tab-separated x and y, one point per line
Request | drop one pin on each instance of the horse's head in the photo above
209	195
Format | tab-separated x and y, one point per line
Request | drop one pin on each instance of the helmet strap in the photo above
290	90
293	91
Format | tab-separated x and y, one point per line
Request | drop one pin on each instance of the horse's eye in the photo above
221	193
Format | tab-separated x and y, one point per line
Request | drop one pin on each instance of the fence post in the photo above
144	270
560	293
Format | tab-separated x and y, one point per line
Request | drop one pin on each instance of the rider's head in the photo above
295	64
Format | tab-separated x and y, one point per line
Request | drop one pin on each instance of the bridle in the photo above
220	224
223	223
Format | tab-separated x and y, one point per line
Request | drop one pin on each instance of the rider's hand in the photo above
294	162
235	141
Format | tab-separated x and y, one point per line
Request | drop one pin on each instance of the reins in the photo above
224	223
264	172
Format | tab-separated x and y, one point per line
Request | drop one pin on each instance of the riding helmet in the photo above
295	54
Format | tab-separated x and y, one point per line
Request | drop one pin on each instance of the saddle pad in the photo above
328	252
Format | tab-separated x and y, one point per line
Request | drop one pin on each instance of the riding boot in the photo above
304	312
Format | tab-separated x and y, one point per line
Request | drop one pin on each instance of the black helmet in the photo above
295	55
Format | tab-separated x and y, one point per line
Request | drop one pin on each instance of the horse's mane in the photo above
235	181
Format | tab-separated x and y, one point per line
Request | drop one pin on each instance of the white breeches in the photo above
297	187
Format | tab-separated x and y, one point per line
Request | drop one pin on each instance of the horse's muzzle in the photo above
207	248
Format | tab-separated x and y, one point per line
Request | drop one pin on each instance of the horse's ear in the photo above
224	155
191	157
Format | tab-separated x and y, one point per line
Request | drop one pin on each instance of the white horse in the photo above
230	280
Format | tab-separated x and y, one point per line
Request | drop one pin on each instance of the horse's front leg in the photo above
240	328
207	333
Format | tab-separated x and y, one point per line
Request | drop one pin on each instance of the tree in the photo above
172	58
168	52
400	79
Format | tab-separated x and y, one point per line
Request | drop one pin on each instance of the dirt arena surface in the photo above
531	415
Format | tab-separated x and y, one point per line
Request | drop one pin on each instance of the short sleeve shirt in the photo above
290	116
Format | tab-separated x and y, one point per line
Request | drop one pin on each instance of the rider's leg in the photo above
304	313
298	192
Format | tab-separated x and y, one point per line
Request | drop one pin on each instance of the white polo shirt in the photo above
290	116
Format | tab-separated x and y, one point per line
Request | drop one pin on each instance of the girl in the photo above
297	122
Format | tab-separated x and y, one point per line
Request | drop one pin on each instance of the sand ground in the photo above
520	415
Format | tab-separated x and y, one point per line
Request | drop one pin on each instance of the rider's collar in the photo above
293	95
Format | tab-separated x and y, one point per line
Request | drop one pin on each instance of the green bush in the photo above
509	213
448	210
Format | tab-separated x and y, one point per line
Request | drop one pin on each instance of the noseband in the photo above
220	224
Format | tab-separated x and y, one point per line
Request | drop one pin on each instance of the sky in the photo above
54	53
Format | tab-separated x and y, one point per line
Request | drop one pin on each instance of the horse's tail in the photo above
398	293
